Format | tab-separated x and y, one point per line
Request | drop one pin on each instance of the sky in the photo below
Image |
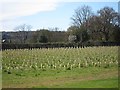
44	13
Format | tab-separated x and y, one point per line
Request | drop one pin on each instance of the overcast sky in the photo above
44	13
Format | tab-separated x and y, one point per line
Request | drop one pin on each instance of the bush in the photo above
57	45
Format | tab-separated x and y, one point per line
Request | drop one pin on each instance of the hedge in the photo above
57	45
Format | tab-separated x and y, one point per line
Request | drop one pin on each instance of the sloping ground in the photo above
101	83
105	79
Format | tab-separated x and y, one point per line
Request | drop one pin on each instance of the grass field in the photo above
92	67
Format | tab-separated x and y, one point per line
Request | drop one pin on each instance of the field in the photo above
91	67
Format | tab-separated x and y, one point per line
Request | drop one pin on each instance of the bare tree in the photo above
82	15
81	18
23	32
108	19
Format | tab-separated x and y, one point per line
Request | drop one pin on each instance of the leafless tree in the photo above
81	18
82	15
23	32
108	19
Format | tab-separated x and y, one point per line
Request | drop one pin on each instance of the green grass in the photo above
102	83
68	78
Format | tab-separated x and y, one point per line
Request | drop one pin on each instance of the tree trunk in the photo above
81	38
106	36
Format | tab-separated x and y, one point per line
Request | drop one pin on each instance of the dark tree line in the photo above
104	26
39	36
86	27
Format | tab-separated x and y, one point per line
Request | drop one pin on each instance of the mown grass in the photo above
90	77
101	83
